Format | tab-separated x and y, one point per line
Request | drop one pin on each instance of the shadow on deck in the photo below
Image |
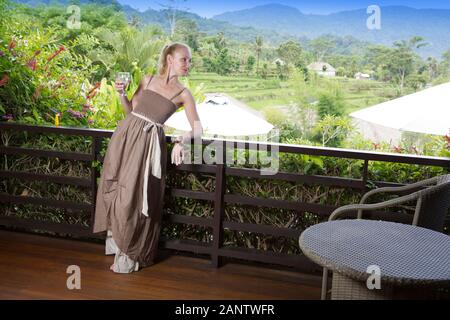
34	267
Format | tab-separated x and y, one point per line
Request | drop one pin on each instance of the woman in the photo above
131	189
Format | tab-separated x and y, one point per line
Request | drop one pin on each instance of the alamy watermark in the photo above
74	21
374	21
74	280
262	151
374	280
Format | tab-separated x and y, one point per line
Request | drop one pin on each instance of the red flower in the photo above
12	45
36	53
75	114
93	91
447	140
32	64
95	87
398	149
61	49
4	80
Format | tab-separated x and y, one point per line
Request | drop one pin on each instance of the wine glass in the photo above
123	78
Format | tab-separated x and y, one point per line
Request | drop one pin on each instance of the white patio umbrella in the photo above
220	115
426	111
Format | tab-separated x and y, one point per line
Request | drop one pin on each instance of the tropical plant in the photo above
129	46
41	77
332	130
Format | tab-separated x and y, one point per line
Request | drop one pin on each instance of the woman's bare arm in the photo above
128	105
193	118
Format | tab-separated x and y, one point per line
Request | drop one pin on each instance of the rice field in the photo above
260	94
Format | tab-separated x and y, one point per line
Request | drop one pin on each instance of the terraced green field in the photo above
260	94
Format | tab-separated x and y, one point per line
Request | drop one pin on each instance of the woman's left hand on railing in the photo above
177	153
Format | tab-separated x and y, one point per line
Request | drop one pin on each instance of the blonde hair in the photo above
169	49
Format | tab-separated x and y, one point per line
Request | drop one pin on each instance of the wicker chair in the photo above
432	205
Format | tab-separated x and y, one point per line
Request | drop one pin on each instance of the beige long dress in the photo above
130	194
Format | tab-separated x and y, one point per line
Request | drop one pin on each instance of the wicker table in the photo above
406	256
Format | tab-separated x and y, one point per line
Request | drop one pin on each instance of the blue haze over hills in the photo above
278	22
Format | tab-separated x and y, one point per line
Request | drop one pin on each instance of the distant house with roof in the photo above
323	69
279	61
362	76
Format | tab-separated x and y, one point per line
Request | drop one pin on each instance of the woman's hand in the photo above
120	87
177	154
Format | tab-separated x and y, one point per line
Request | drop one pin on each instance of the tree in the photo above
216	56
433	67
225	64
282	70
398	63
340	72
250	64
402	58
332	130
347	65
446	56
93	18
417	81
321	46
291	52
415	42
330	104
172	8
220	41
376	59
444	66
135	22
131	47
258	48
264	71
222	64
187	32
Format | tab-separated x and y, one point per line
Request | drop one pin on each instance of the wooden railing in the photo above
219	197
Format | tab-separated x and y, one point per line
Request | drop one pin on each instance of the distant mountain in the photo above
66	2
271	16
278	23
207	26
397	23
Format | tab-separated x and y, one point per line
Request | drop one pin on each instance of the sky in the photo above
209	8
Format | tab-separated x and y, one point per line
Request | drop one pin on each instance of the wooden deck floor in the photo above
34	267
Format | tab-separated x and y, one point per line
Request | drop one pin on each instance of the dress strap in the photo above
151	77
177	94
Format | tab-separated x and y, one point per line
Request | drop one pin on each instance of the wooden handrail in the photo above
218	199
